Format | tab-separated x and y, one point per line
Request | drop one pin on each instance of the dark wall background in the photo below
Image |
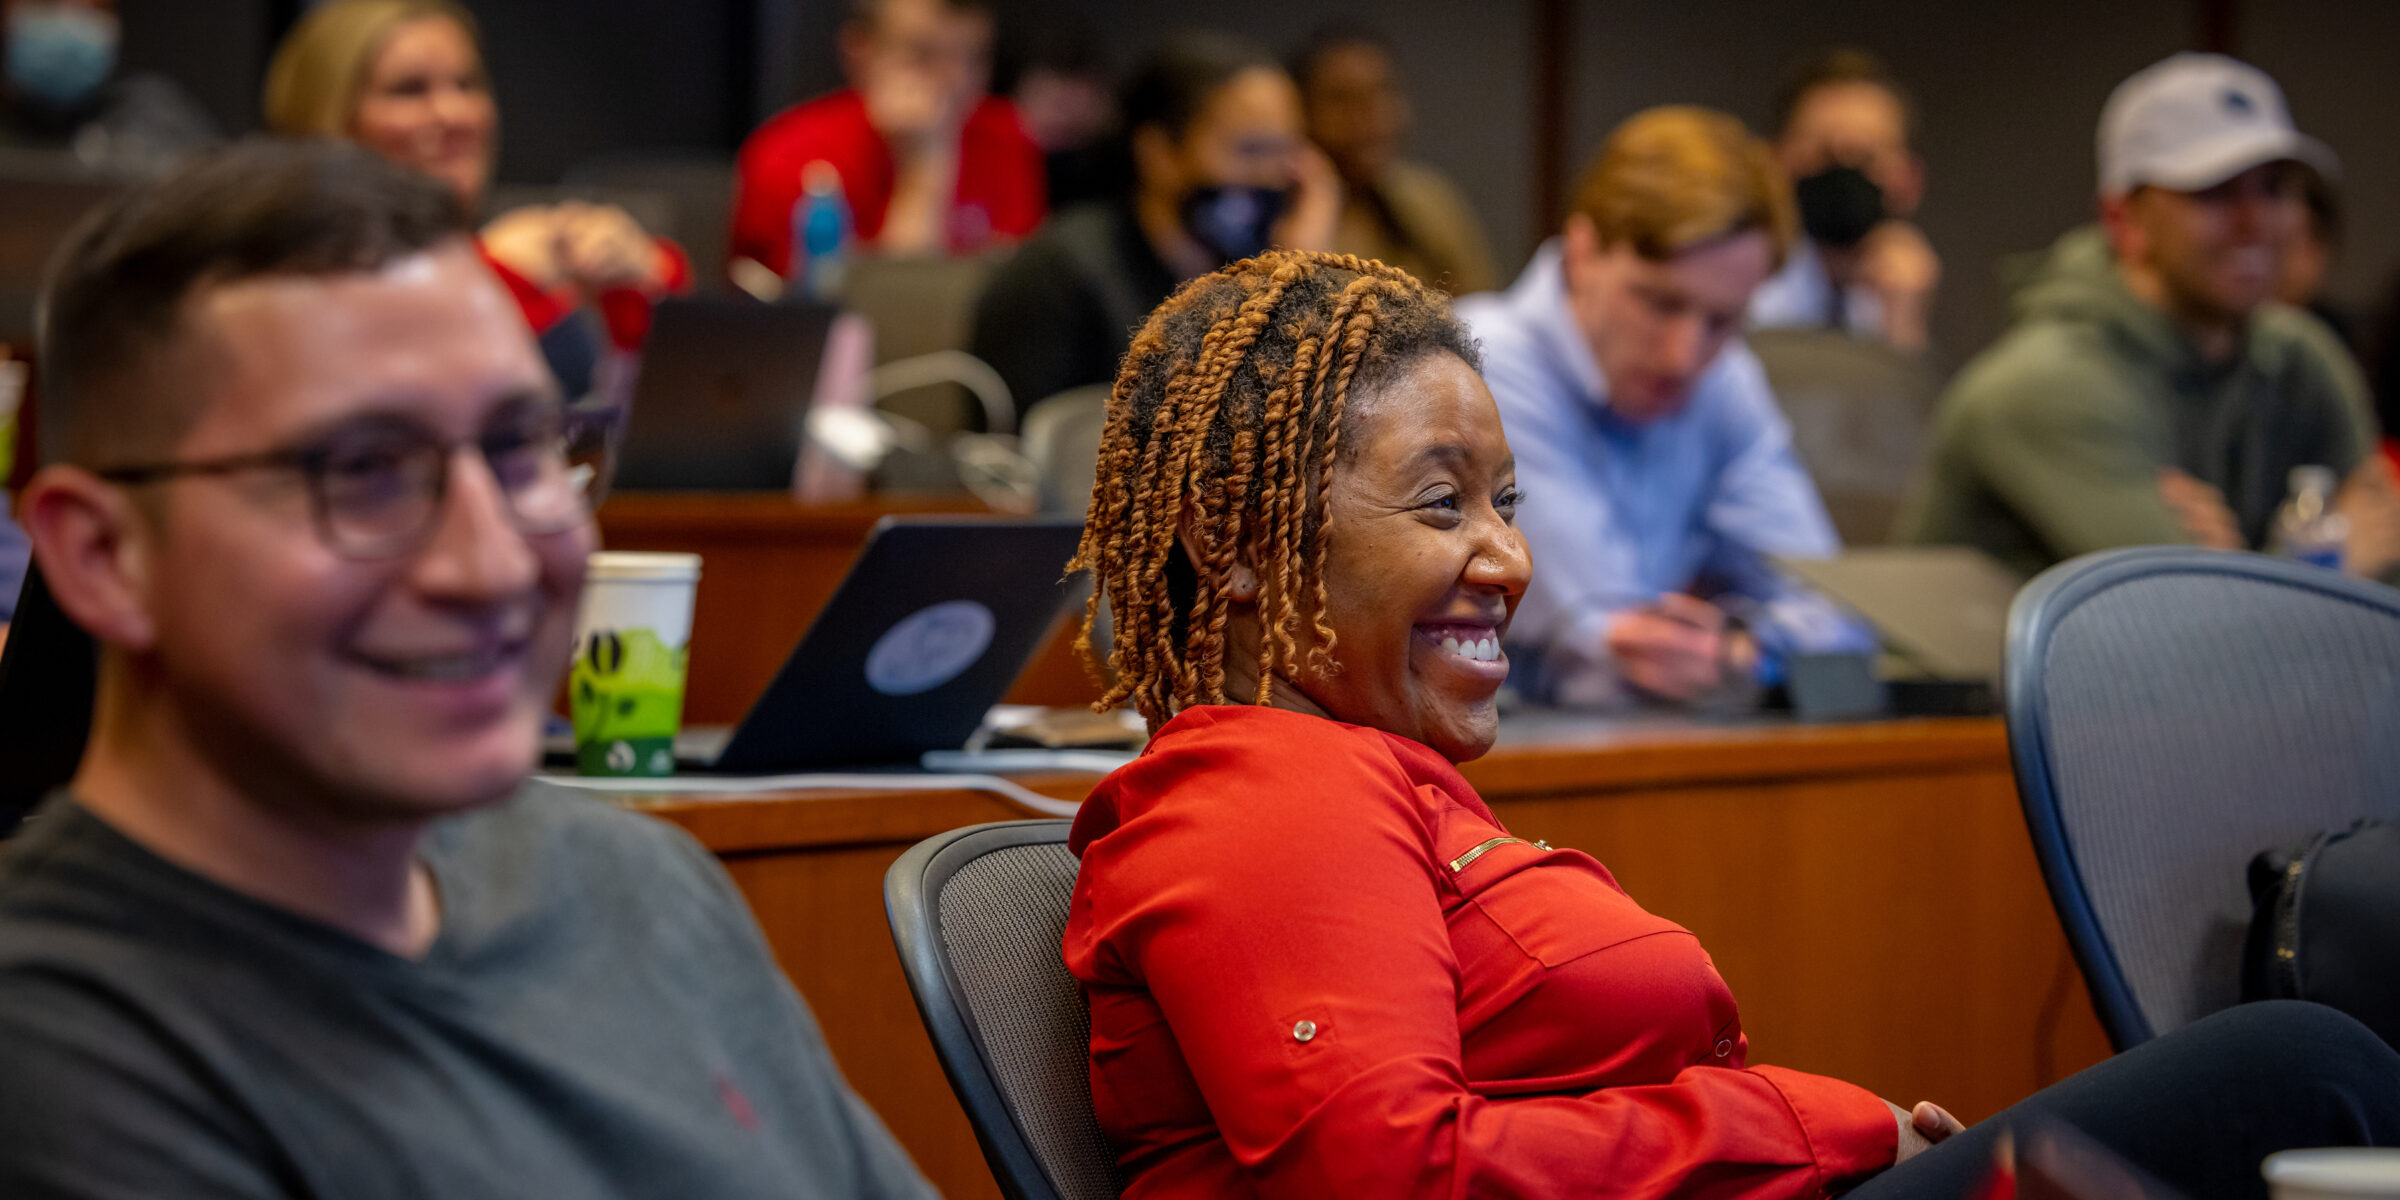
2009	91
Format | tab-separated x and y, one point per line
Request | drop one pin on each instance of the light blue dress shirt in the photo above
1618	513
1801	296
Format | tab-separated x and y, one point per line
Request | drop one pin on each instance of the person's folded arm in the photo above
2079	471
1314	899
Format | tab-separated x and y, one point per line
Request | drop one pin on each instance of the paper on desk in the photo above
687	785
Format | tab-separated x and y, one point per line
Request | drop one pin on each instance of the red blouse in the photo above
1318	966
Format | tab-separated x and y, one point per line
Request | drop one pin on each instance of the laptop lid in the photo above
48	677
722	400
1944	609
934	622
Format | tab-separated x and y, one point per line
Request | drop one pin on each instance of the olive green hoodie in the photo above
2048	445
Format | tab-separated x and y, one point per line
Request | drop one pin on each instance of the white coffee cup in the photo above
2346	1173
632	639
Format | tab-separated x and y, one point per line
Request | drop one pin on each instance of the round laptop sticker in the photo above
929	647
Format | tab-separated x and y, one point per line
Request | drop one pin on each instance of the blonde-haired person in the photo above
1665	467
406	79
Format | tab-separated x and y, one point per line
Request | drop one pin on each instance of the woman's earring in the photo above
1242	585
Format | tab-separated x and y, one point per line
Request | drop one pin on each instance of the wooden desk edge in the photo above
1624	760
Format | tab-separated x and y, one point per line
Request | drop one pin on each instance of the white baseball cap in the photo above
2194	121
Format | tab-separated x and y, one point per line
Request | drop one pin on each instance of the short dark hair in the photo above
1175	83
1327	38
262	207
867	12
1840	65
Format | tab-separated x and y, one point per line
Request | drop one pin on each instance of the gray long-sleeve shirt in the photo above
599	1017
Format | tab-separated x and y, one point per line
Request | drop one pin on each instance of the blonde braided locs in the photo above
1225	422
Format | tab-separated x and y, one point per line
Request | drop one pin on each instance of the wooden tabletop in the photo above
1867	890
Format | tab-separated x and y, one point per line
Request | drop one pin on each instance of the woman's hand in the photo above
603	247
1921	1128
589	247
1316	202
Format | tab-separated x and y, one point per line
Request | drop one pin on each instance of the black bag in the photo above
2325	924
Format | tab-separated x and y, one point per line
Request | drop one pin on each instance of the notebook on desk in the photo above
1941	610
934	622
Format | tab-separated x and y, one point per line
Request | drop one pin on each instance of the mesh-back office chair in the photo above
1860	412
2173	712
977	914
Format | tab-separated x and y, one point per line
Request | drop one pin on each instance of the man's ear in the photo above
94	548
1241	583
2123	225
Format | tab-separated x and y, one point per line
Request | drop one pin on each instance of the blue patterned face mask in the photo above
1234	223
60	54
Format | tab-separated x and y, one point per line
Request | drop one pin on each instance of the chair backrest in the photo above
918	306
1062	438
2171	713
1860	412
978	914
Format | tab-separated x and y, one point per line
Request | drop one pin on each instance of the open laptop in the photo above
934	622
1942	610
48	676
722	400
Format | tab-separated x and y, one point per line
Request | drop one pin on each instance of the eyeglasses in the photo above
376	487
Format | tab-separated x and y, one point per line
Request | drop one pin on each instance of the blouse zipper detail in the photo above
1462	861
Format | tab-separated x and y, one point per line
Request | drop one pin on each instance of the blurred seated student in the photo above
1068	106
1666	469
1400	212
2151	389
928	163
405	78
61	90
1843	128
1318	965
298	926
1221	171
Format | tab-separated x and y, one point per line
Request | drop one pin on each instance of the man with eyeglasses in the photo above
297	927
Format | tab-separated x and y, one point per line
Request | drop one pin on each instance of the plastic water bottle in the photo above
2306	527
820	255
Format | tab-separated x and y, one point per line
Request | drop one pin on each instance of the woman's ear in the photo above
1241	584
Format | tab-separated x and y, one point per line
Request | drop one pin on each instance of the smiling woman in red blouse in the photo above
1317	964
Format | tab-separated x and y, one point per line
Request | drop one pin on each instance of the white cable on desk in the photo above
685	785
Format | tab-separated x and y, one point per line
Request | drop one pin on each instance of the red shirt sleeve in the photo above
1001	171
1280	901
542	309
626	310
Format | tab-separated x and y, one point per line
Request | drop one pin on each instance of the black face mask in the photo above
1234	223
1838	205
